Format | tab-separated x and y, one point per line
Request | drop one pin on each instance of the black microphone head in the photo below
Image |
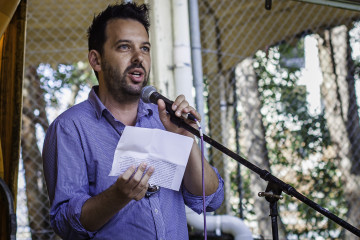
146	93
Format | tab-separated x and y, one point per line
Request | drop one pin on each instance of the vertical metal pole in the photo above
274	214
182	51
196	55
196	59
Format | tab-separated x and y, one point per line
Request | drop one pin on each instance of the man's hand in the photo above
193	171
180	107
133	184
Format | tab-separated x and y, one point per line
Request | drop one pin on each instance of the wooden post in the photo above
12	49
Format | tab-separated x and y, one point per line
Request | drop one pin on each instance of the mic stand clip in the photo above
272	194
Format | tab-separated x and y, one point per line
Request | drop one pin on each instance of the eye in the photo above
146	49
123	47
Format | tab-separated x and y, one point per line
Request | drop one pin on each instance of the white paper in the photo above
167	152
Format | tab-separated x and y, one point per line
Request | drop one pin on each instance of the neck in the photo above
124	110
126	114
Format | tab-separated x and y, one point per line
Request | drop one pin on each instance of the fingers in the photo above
195	113
133	183
128	173
141	187
140	180
142	191
164	117
162	108
182	107
140	195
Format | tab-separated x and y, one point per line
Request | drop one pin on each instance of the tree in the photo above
293	136
40	93
252	140
34	113
341	112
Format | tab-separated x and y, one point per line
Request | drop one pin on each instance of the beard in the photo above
117	85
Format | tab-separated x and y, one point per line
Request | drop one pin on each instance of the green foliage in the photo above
55	81
295	137
247	202
357	69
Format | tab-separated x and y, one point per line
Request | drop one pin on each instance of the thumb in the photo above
164	116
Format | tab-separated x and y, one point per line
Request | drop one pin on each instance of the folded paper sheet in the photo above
167	152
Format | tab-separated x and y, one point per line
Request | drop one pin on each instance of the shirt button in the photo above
156	211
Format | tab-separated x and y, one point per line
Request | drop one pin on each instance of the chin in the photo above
133	91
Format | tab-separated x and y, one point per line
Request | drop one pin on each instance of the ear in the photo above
95	60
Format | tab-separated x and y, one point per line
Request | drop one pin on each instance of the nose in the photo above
137	57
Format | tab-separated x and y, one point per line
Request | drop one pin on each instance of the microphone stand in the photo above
275	186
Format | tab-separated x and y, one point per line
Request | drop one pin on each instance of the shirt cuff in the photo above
73	213
212	202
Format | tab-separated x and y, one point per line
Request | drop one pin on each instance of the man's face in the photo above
126	58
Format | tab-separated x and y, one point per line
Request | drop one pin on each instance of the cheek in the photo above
148	64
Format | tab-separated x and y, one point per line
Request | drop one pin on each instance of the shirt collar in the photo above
144	109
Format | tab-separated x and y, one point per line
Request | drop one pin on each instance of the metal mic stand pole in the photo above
272	194
275	185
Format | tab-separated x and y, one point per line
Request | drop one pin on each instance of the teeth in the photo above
136	73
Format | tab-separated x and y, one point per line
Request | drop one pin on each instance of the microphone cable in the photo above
150	95
203	174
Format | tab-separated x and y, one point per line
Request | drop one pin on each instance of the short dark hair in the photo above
96	32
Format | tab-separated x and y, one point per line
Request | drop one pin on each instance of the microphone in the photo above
150	95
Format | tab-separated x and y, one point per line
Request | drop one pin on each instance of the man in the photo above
80	144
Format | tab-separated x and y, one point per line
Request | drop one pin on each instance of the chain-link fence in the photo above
56	34
280	89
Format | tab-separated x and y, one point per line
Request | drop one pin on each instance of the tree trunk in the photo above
253	143
217	106
341	112
218	126
34	113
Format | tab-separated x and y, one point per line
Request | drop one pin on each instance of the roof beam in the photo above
345	4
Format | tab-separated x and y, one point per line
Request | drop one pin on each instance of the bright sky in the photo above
311	75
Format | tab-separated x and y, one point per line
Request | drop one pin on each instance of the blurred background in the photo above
277	82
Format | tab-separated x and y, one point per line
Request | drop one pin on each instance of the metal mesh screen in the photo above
280	89
56	34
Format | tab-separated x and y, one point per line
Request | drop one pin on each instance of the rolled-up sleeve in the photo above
212	202
66	179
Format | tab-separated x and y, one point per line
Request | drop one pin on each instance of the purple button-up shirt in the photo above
78	153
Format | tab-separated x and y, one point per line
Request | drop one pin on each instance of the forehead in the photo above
125	29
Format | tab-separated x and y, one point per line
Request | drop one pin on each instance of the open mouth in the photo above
136	75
